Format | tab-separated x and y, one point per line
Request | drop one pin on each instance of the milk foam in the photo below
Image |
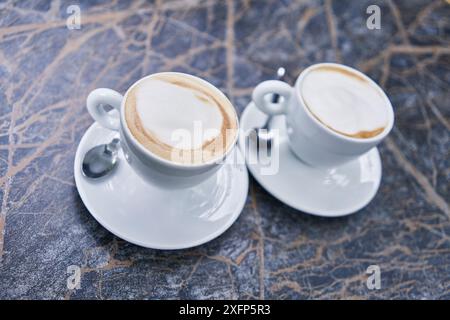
166	109
344	101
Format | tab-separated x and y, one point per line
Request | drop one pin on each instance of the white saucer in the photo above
158	218
331	192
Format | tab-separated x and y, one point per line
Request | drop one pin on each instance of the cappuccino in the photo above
181	118
345	102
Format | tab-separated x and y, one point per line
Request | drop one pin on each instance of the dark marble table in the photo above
272	251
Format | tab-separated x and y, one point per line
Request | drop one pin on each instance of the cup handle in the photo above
265	104
96	101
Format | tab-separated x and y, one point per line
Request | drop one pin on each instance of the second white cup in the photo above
309	139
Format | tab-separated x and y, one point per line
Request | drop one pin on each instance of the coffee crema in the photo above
181	118
345	102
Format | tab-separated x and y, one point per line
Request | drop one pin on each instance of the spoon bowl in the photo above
101	160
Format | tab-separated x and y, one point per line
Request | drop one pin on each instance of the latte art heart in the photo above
345	102
180	118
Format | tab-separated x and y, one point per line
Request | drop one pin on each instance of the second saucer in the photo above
332	192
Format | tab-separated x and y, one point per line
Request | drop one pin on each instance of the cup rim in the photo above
388	105
129	136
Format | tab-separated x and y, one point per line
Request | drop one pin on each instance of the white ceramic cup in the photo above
309	139
153	168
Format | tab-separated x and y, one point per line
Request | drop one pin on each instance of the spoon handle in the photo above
280	76
112	147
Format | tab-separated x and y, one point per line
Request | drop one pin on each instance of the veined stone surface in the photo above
272	251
